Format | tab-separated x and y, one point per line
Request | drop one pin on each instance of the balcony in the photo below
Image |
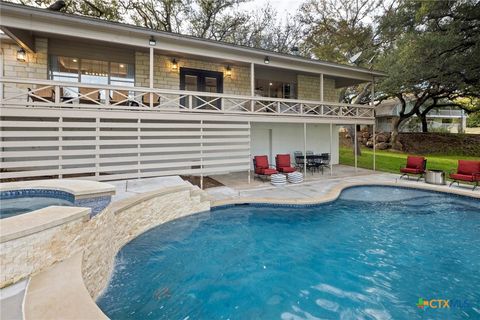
55	94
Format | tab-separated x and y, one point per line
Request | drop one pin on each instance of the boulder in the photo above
382	137
369	144
382	146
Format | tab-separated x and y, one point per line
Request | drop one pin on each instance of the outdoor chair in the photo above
283	164
262	168
41	95
299	160
89	95
155	99
415	166
468	171
325	159
119	98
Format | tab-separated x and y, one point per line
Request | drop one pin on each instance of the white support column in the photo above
331	147
201	154
355	146
60	147
372	99
249	150
305	151
321	87
372	103
252	85
374	159
150	73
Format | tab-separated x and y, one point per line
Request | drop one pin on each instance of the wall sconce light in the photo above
228	72
174	65
21	55
266	60
152	41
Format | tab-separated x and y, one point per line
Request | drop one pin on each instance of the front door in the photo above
203	81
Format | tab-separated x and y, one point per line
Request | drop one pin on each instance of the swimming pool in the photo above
371	254
16	202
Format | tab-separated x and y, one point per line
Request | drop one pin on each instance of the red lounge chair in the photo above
468	170
283	163
262	167
415	166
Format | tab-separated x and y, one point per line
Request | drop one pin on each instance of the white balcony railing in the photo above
44	93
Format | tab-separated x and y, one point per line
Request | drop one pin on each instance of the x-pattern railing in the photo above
32	93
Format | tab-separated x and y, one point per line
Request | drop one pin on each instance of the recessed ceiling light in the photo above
74	60
122	66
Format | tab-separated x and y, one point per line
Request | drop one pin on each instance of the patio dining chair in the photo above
299	160
325	159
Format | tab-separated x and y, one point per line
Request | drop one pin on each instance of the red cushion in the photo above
415	162
468	167
464	177
282	160
286	169
265	171
261	162
411	170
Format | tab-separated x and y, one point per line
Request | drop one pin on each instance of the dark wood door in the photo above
203	81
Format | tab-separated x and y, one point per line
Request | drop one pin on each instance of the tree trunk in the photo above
424	123
394	137
351	132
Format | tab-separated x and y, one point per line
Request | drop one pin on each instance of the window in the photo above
91	71
275	89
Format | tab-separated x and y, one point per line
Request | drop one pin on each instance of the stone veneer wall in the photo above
99	238
112	230
34	68
309	88
166	78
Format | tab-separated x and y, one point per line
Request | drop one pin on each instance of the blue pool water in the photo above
369	255
15	202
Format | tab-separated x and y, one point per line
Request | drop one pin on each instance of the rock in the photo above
369	144
382	146
382	137
365	135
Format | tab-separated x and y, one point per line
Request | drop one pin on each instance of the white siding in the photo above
288	138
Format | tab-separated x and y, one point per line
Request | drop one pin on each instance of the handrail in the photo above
169	98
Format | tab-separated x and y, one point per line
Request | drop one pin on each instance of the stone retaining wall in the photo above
116	227
99	238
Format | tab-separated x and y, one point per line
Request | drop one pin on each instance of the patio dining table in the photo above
314	161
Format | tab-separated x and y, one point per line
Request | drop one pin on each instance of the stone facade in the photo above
309	88
166	78
99	238
35	66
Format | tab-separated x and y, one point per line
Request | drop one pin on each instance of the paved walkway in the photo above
315	189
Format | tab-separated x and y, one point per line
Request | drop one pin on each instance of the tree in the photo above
433	55
107	10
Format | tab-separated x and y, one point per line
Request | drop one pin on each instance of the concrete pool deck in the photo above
315	190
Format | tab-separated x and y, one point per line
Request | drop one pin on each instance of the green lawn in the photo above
391	161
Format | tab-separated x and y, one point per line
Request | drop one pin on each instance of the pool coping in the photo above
335	192
80	189
39	220
63	286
